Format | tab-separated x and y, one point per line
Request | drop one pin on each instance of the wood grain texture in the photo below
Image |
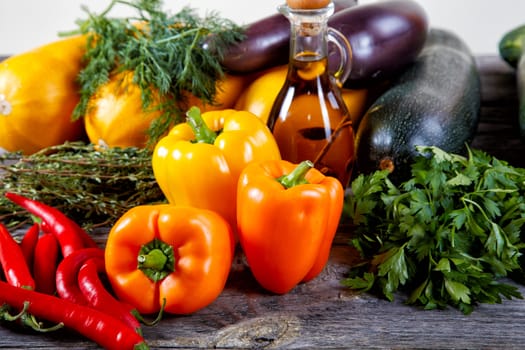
323	314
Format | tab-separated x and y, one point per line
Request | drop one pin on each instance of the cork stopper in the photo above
307	4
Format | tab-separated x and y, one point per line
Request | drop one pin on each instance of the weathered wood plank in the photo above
323	314
498	131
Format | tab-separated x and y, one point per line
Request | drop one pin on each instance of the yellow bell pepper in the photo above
199	162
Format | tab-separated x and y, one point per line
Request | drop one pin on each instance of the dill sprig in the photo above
93	186
171	55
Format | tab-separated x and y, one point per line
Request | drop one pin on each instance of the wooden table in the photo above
322	314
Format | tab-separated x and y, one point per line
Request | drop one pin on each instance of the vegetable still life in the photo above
171	161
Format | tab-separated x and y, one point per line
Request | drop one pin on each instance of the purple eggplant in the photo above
266	43
385	36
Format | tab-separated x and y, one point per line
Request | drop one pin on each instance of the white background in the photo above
25	24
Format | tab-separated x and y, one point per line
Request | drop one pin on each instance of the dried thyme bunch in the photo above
92	186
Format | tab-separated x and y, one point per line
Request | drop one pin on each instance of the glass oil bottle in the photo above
309	119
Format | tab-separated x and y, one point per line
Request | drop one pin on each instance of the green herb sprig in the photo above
92	186
446	236
171	54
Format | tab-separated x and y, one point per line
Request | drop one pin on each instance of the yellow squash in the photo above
227	92
260	94
38	93
116	118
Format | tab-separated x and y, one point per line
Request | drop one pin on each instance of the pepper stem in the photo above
156	260
203	134
297	176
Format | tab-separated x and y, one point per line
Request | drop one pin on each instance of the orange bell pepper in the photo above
177	254
287	218
199	162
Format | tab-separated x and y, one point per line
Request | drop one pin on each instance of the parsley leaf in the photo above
446	236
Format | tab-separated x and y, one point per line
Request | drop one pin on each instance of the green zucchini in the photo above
434	102
511	48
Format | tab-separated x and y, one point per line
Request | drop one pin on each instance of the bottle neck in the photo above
308	37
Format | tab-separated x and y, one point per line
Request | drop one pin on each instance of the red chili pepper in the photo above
67	274
69	234
28	243
104	329
13	263
99	297
45	263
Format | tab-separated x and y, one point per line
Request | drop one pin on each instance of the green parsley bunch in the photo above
445	236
